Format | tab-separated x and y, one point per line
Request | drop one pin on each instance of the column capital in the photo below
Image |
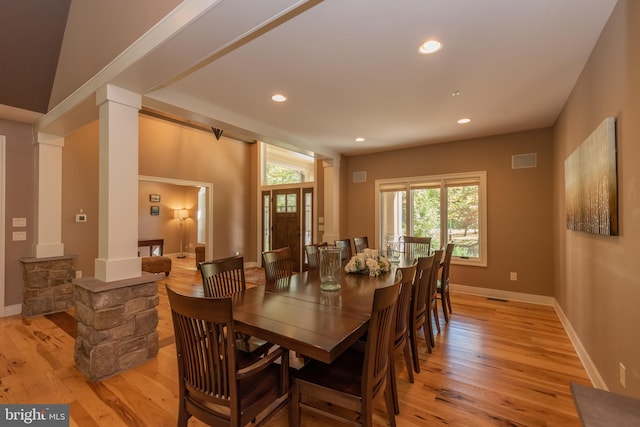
117	94
48	139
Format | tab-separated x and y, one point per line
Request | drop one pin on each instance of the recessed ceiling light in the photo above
430	46
279	98
360	139
464	121
455	93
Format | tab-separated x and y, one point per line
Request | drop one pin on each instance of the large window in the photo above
447	208
281	166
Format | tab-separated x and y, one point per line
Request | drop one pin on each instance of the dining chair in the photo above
345	244
443	282
432	301
277	264
418	307
217	384
360	243
313	254
355	377
225	277
401	329
415	247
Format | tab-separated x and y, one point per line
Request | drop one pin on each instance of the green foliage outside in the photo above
278	175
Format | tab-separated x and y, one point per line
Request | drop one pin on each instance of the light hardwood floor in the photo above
496	363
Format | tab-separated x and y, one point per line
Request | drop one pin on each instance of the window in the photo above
448	208
281	166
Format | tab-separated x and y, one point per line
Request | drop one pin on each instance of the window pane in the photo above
281	202
266	222
280	175
393	214
425	215
463	219
292	205
308	218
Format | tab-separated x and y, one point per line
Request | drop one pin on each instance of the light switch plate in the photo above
19	222
19	235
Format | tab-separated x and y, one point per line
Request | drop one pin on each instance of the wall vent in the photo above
360	176
522	161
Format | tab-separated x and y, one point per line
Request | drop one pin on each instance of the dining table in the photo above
296	314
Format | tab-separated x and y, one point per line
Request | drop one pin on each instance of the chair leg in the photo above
448	300
389	404
413	341
407	359
394	385
183	417
436	316
443	302
428	333
294	406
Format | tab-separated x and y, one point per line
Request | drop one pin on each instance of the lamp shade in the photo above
181	214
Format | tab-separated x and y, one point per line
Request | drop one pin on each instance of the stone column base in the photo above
116	325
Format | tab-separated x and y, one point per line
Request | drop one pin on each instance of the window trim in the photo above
454	178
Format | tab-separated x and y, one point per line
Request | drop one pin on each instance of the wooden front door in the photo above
286	222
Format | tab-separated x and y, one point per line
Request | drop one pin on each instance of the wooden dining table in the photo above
296	314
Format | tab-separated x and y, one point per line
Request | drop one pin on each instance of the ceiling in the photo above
351	68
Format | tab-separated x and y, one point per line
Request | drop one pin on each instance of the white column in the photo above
118	180
331	200
48	227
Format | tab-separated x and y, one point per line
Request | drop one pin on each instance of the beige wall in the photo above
167	151
519	203
19	203
166	226
597	277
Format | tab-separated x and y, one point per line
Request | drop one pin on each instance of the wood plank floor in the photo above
496	363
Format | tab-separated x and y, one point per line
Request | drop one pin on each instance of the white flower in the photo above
368	261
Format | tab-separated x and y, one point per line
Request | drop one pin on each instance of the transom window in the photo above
447	208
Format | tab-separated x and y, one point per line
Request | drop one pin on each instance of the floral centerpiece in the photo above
368	261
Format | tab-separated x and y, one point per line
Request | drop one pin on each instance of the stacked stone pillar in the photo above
116	325
48	286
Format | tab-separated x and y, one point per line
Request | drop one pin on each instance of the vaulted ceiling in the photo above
349	68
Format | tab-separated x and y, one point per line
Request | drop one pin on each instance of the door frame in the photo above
3	169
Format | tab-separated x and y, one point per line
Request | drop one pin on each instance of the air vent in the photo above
360	176
522	161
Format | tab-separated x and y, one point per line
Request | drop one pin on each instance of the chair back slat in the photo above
415	247
404	301
277	264
313	254
345	244
223	277
205	345
361	243
377	352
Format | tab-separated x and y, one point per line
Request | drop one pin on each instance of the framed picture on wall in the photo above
154	198
155	210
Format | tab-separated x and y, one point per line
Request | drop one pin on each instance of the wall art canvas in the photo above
591	183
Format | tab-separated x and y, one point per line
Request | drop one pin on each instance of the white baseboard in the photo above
500	294
589	366
587	363
12	310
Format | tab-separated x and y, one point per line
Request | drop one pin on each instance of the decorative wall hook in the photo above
217	132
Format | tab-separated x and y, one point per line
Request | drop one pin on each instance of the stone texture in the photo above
48	286
116	329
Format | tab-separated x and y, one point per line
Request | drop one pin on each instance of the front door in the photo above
286	222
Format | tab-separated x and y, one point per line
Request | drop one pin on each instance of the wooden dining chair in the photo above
443	282
401	329
313	255
277	264
360	243
217	384
418	307
225	277
415	247
345	244
355	378
432	301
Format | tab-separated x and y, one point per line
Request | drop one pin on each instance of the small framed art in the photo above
155	210
154	198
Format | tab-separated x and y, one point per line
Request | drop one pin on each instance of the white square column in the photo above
48	238
118	185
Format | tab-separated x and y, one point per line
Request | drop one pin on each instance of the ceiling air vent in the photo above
360	176
522	161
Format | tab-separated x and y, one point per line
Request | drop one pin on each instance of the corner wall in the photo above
597	278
